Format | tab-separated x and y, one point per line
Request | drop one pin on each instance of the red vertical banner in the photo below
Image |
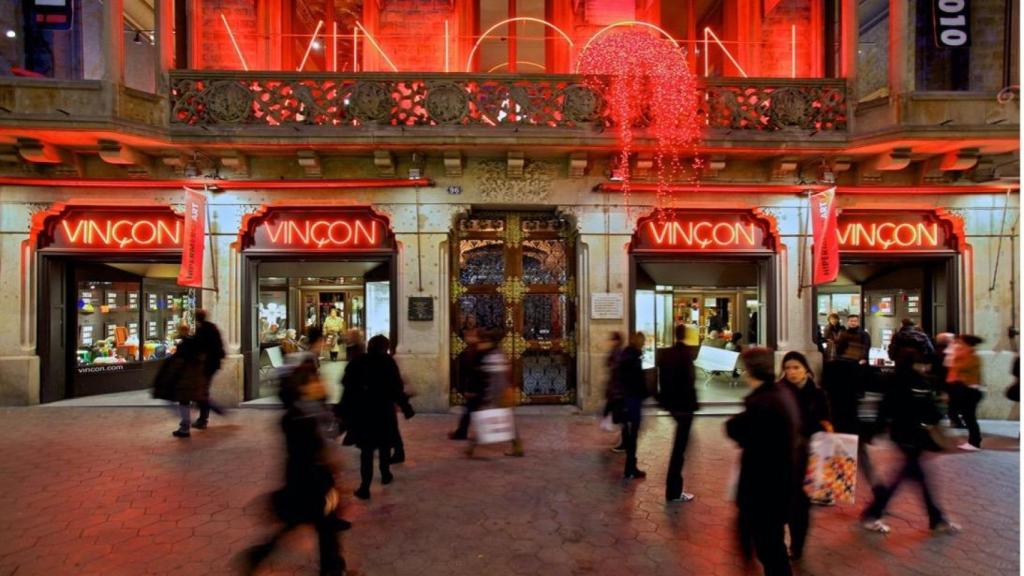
825	266
191	273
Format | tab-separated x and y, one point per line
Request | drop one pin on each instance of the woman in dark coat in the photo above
373	389
814	418
768	431
630	376
182	379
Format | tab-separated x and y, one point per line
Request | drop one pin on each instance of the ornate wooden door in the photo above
515	272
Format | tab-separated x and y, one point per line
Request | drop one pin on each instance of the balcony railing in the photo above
286	100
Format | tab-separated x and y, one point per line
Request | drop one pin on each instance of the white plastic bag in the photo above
832	468
493	426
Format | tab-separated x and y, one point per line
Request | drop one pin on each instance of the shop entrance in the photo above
349	300
884	291
514	272
723	303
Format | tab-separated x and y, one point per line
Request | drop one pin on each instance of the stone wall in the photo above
215	49
776	50
412	33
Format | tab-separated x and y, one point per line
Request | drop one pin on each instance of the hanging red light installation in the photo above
645	81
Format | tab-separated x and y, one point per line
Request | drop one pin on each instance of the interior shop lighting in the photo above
11	34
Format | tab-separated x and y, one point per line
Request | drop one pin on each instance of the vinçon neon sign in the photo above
857	235
702	234
125	233
323	233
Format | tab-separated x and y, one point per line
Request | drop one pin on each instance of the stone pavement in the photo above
109	491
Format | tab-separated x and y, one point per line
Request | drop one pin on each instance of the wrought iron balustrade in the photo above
250	99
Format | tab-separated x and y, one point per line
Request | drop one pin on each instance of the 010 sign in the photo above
952	22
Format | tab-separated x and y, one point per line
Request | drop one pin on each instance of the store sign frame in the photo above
315	228
705	231
895	232
78	226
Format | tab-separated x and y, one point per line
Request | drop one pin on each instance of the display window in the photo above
109	303
893	266
330	267
712	272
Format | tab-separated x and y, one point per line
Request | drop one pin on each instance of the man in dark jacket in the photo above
678	395
854	343
908	409
634	387
909	336
181	379
210	342
768	431
469	382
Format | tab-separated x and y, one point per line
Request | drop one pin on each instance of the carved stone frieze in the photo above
447	103
533	187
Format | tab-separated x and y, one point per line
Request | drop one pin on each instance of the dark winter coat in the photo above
676	390
854	344
630	374
210	342
373	389
812	403
308	475
182	378
768	431
907	407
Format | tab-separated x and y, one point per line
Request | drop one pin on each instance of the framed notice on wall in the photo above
421	308
606	306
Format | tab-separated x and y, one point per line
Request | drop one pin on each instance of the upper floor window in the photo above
768	38
58	39
962	44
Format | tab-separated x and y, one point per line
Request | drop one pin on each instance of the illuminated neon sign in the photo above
892	232
701	231
119	231
317	228
321	233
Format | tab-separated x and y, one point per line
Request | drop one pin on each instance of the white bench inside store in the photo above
715	361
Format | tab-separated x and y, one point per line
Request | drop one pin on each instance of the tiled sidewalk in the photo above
109	491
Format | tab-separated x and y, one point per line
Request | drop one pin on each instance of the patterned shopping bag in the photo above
493	426
832	468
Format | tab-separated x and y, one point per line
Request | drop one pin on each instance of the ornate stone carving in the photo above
370	102
580	103
788	106
228	102
534	187
446	103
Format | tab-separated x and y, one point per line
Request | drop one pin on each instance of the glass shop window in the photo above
59	39
139	42
130	322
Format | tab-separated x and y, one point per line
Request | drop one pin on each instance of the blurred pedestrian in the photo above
354	346
634	386
212	345
845	381
908	413
615	397
910	337
469	382
814	417
373	389
334	325
182	379
678	395
964	379
494	372
768	431
309	495
733	345
714	340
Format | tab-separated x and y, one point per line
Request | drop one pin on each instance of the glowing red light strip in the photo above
334	48
527	62
377	46
231	35
355	49
707	31
309	48
446	41
469	61
792	43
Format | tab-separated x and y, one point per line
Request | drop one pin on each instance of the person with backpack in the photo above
309	496
373	390
908	408
182	379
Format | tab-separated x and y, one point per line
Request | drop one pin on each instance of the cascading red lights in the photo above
645	77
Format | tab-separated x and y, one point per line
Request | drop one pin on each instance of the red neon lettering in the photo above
122	233
347	234
883	236
316	237
274	232
703	234
72	236
321	233
294	231
369	235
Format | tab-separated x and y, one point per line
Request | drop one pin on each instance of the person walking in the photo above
634	387
964	379
814	418
495	388
309	495
373	389
768	432
907	413
334	326
210	342
469	384
678	395
615	398
182	379
845	381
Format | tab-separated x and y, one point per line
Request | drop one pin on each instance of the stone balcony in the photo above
461	109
